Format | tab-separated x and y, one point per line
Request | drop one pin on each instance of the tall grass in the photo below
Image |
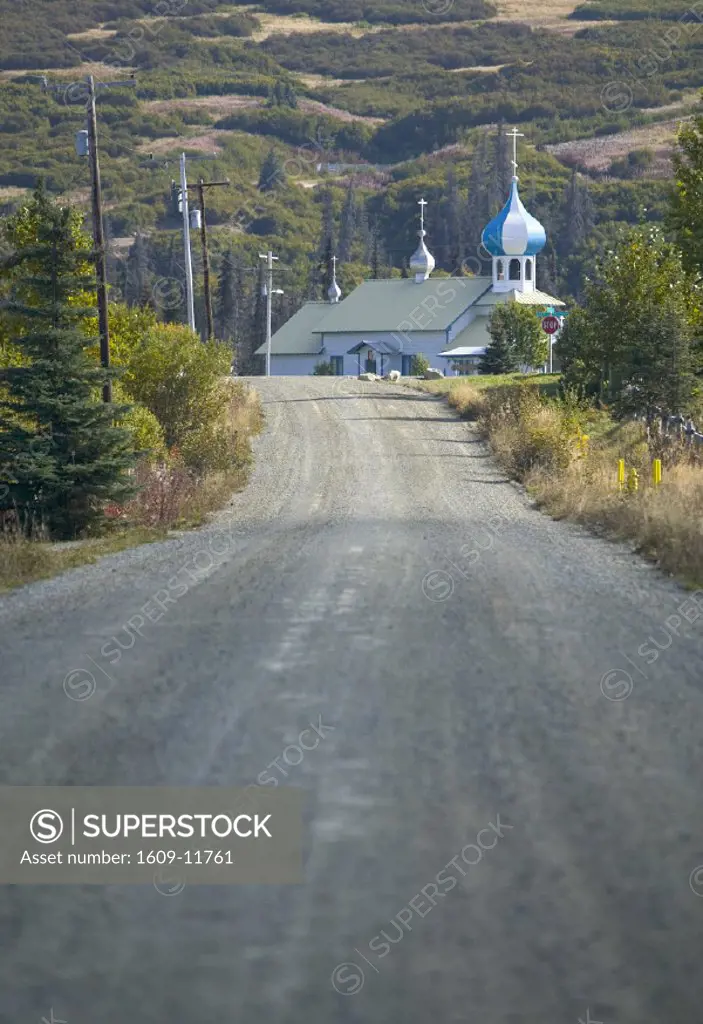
567	456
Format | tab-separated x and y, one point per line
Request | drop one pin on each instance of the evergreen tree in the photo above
272	175
169	288
226	299
347	226
327	233
478	210
634	340
239	321
517	340
547	280
499	357
577	217
454	254
686	212
57	436
139	273
322	272
282	95
365	235
502	168
377	255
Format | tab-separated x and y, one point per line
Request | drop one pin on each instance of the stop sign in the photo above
550	325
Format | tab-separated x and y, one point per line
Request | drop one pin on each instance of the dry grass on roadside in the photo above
23	561
567	457
468	400
664	522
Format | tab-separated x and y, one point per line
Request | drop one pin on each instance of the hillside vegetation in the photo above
354	110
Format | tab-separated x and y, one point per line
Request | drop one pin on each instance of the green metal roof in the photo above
379	306
296	336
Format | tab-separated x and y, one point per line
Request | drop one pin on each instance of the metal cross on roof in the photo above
334	265
422	203
515	135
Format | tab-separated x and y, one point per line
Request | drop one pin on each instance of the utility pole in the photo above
99	238
186	245
269	257
98	228
201	186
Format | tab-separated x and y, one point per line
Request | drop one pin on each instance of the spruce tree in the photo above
66	459
376	256
502	172
272	175
455	226
577	217
499	356
478	210
322	273
139	274
517	338
348	226
226	299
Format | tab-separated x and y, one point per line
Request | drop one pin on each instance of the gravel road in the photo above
476	670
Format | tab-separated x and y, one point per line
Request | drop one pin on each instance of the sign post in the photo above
550	326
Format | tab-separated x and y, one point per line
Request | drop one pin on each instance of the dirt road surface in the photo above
476	668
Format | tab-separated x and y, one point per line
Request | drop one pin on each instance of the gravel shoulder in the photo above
381	572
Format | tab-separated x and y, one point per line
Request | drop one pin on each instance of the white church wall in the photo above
429	343
294	366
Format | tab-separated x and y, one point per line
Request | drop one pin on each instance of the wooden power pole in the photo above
87	145
99	238
201	186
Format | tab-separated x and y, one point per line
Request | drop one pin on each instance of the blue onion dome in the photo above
514	232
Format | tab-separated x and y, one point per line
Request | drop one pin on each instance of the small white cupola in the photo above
422	260
514	238
334	292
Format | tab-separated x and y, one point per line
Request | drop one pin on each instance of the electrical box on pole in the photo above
82	142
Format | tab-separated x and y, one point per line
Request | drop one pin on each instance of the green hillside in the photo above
355	109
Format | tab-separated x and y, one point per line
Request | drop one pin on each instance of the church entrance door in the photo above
371	364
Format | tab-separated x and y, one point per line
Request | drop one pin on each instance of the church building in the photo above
381	325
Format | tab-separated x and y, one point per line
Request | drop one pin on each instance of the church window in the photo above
528	270
500	271
515	270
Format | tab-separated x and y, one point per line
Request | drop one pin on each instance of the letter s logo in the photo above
46	826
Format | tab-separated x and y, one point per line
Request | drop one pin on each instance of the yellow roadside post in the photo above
621	473
657	472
